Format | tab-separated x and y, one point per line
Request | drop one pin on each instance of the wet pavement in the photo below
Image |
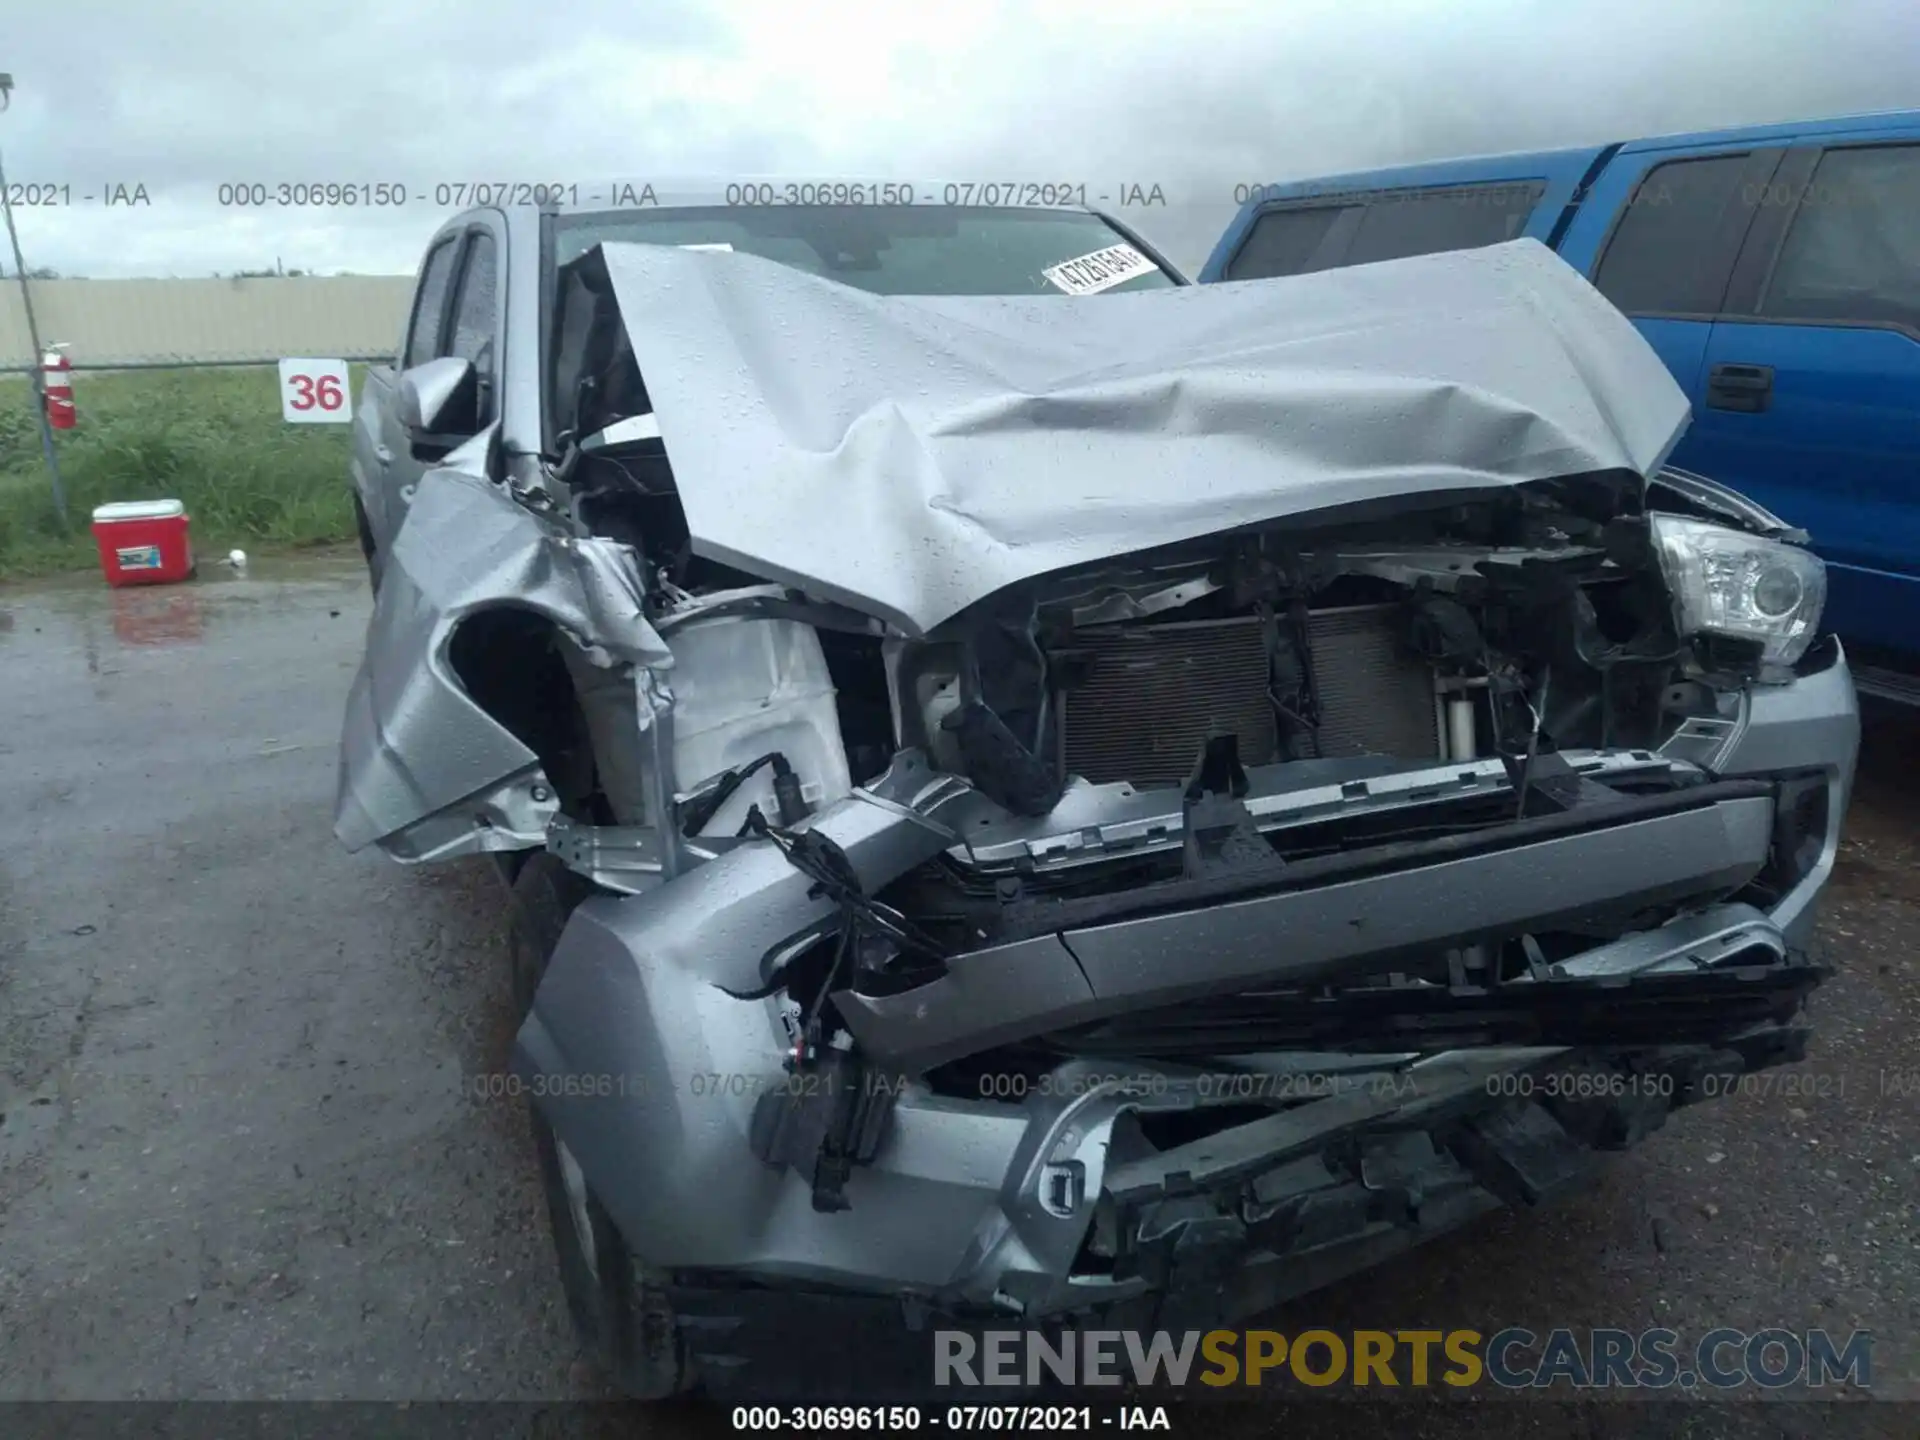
242	1154
239	1157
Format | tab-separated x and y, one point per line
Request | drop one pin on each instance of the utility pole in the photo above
33	333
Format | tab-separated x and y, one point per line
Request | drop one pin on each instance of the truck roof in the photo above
1546	163
1565	171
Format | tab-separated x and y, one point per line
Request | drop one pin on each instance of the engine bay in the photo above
1531	620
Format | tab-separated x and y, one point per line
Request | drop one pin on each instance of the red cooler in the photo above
143	542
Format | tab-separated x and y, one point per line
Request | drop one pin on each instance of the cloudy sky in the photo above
1195	97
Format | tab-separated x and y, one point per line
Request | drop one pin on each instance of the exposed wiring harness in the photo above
1539	712
860	919
696	812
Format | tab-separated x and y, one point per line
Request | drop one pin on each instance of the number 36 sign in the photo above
314	392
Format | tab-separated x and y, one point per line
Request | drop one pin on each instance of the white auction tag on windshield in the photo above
710	245
1102	270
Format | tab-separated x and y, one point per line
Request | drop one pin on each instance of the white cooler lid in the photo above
139	510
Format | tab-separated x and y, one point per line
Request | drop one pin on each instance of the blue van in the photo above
1776	270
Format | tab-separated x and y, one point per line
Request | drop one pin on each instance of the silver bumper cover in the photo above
1298	935
651	1073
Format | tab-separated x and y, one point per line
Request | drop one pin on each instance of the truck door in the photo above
1658	234
396	471
457	311
1812	377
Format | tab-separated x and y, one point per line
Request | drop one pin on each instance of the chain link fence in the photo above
176	394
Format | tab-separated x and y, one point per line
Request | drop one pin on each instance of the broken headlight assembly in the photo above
1729	584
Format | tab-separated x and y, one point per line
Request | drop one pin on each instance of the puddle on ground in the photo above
59	615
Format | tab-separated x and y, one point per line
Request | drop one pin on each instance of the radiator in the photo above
1154	693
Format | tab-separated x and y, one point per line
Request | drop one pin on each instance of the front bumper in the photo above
652	1073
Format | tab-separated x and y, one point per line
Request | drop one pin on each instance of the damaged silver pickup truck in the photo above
1037	790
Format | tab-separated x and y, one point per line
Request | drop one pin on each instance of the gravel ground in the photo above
240	1157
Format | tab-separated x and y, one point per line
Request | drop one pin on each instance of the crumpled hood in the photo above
911	455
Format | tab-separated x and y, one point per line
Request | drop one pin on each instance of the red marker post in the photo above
56	380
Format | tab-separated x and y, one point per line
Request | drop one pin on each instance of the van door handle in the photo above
383	454
1745	388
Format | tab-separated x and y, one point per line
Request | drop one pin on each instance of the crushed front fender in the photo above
425	772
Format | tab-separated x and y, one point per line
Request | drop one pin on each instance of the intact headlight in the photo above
1745	587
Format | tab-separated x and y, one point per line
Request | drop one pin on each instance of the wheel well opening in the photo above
509	662
363	528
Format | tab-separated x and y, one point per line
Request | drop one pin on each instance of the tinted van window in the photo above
1667	254
1421	222
1852	253
1391	225
1283	242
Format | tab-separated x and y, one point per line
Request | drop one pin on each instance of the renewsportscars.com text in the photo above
1513	1358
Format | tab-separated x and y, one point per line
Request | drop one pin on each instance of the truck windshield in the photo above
894	249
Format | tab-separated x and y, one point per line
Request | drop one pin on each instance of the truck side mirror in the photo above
438	405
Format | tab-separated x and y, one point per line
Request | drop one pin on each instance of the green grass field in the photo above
212	439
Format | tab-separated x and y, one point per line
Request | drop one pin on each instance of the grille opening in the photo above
1800	829
1744	986
1170	1129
